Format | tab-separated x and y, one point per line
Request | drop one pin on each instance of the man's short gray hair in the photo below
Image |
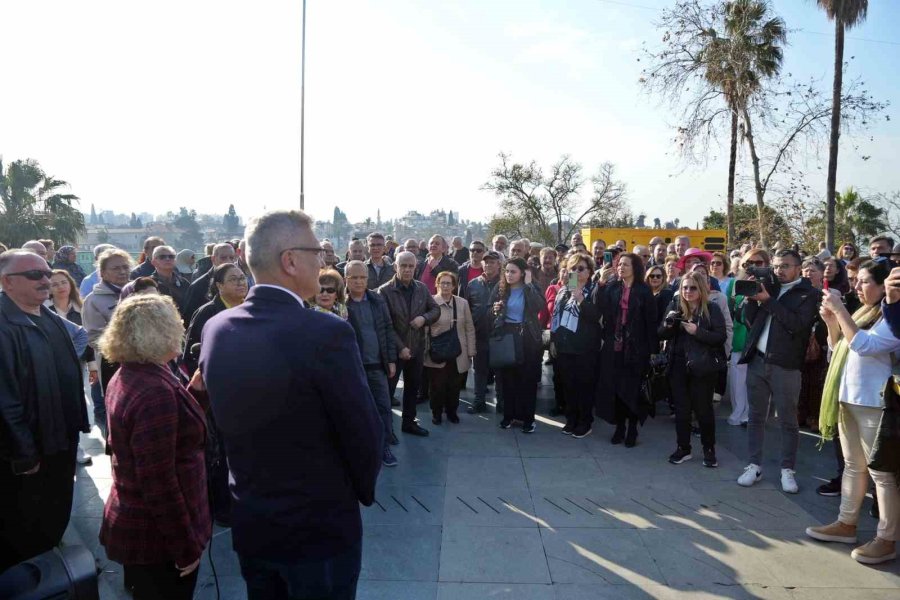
269	235
34	247
406	254
354	263
160	249
354	243
100	249
10	256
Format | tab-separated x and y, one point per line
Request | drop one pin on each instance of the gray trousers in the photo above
765	381
378	385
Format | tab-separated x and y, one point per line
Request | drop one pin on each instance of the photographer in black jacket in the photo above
780	317
696	328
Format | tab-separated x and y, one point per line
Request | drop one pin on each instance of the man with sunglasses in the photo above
774	353
169	281
42	409
472	268
198	292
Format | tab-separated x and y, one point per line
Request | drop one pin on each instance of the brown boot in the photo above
836	532
875	552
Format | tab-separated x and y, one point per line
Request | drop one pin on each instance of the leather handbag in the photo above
505	351
885	454
704	360
445	347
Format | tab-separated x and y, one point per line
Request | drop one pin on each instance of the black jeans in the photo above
161	581
412	378
482	366
443	390
692	394
577	374
332	578
518	384
34	509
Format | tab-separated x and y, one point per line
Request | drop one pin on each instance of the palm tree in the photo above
737	64
32	206
845	14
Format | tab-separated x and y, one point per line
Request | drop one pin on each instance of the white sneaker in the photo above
788	483
717	397
751	475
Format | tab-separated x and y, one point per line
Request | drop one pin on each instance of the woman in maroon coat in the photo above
156	521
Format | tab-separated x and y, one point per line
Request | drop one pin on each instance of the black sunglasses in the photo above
328	290
32	275
579	268
655	276
165	256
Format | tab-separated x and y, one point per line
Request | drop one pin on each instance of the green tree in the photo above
191	237
746	224
856	219
103	236
32	206
231	224
845	14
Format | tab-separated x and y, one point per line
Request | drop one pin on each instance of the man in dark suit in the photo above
198	292
302	433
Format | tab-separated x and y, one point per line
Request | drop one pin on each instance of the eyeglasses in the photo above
317	251
783	266
327	290
690	288
376	245
443	283
654	276
754	263
32	275
579	268
241	279
476	250
165	256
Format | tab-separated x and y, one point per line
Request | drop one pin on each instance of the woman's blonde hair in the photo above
581	257
143	329
112	253
702	283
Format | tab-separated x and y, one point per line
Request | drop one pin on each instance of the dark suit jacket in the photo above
197	296
302	434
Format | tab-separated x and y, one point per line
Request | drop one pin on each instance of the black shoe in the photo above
680	455
619	436
695	431
582	431
709	458
744	424
830	489
505	423
569	428
395	402
476	407
556	411
528	427
436	419
414	429
631	438
873	510
453	419
394	441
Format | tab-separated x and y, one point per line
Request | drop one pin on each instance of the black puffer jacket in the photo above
709	337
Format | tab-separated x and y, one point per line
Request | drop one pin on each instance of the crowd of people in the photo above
175	347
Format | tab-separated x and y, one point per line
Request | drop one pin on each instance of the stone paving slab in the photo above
493	554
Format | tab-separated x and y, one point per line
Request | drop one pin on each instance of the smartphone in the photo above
824	284
573	281
607	258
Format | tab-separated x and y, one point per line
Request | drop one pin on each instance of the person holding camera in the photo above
576	334
628	310
696	328
864	349
780	316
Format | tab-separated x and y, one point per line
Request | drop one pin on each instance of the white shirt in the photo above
869	364
763	340
283	289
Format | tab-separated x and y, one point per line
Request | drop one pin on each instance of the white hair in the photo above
269	235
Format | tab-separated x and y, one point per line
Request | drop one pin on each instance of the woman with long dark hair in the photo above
517	302
696	328
628	312
228	288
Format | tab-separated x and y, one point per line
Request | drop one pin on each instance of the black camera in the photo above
673	318
764	276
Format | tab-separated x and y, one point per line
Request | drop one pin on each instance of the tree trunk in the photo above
760	191
830	186
729	207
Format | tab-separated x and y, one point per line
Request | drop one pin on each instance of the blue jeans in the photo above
332	578
378	385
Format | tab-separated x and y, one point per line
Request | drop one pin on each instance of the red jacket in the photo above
547	312
157	510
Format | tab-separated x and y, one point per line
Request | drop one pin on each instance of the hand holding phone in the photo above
573	281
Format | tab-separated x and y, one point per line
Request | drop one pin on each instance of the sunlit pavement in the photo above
477	512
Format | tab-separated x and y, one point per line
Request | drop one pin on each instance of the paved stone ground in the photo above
477	512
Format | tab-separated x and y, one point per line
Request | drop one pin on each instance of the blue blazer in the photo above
302	435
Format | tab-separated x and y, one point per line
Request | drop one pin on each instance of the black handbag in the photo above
505	351
885	455
703	360
445	346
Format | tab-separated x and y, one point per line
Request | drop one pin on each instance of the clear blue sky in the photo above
153	106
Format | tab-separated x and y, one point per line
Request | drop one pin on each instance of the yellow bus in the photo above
705	239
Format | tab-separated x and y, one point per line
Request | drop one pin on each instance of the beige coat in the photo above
465	328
